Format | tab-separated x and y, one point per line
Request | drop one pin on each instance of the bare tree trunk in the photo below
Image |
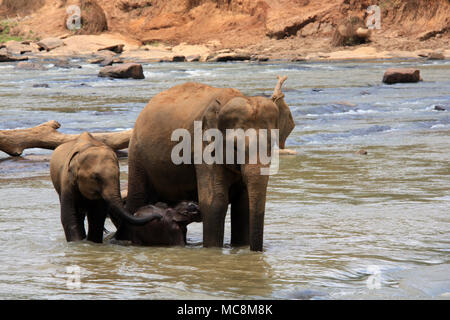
46	136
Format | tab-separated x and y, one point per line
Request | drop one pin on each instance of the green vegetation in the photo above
5	32
153	43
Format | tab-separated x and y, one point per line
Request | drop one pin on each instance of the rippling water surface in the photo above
338	224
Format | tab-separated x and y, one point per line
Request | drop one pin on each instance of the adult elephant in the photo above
153	176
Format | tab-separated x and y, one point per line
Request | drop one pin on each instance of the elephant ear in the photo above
285	121
210	118
181	219
84	141
72	165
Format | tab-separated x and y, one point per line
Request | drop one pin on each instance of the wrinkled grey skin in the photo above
85	174
170	230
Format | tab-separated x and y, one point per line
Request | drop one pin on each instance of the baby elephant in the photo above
85	174
170	230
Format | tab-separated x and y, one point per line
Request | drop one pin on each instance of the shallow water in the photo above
338	224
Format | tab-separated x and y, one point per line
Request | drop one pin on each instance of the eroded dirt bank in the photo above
274	29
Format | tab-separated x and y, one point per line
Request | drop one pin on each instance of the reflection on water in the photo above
338	224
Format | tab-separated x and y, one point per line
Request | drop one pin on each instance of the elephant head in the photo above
93	168
251	113
186	212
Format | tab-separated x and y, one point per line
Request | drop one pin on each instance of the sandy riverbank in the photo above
231	30
84	46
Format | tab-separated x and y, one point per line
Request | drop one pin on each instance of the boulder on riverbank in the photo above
126	70
229	56
178	58
117	48
5	56
19	48
50	43
401	75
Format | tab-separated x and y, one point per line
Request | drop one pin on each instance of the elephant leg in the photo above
72	218
240	216
96	214
212	189
257	188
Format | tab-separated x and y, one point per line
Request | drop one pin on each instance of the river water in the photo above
338	224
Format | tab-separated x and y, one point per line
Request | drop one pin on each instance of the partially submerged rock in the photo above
104	58
126	70
298	59
362	152
436	56
64	64
5	56
401	75
259	58
41	85
30	66
108	61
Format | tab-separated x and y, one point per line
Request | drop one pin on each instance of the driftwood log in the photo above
46	136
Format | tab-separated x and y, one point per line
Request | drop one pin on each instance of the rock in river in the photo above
439	108
64	64
401	75
436	56
5	56
126	70
30	66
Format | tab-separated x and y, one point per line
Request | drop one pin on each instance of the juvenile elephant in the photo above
85	174
153	176
170	230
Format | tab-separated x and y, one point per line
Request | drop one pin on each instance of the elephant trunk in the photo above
256	187
285	121
119	214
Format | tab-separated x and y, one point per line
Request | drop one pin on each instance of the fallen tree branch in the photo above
46	136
